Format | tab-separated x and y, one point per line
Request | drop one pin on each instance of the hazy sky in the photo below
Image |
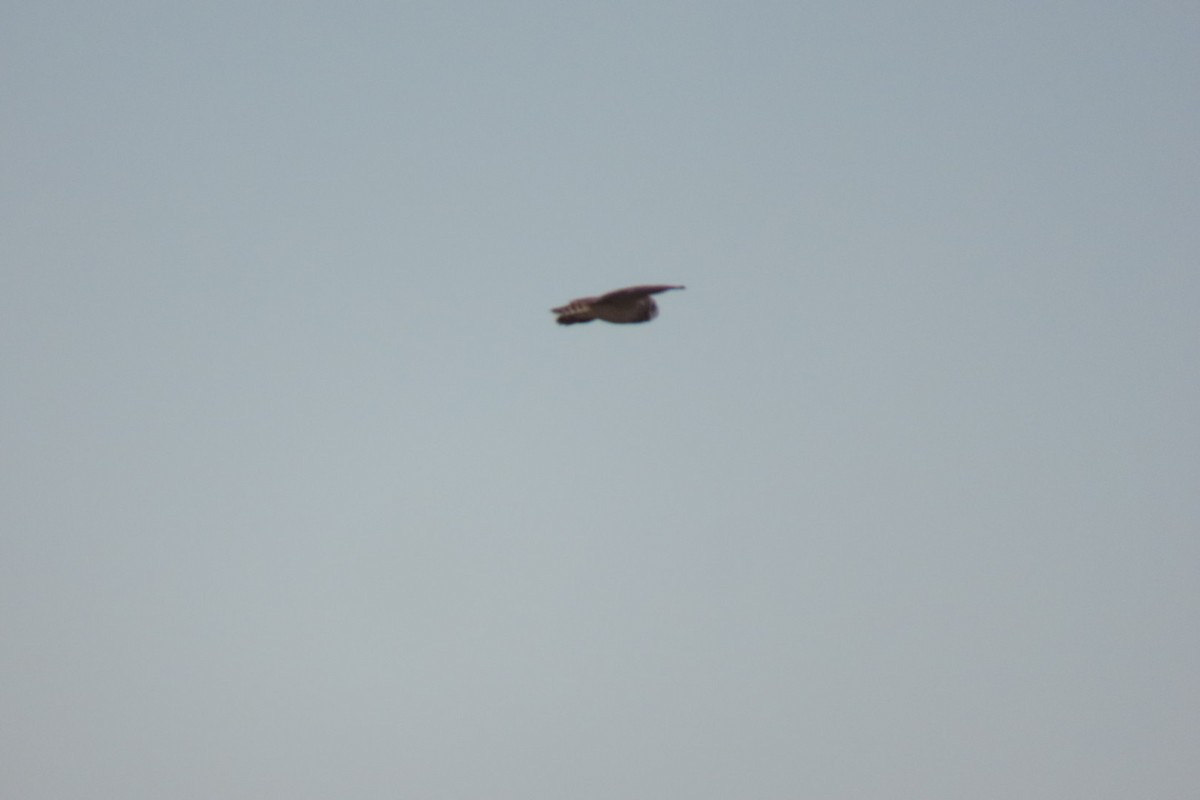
305	495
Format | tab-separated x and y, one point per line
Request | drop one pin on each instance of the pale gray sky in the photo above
305	495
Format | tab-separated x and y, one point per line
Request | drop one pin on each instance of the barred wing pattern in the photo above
632	304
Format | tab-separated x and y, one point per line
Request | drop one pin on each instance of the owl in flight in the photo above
632	304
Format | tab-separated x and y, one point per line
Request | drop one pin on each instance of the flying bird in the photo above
632	304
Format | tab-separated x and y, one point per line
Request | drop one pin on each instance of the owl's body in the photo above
632	304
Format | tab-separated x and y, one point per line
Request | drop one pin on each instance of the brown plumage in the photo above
632	304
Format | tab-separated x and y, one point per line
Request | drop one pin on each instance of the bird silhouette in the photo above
631	304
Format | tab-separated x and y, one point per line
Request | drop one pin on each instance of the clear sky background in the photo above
305	495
